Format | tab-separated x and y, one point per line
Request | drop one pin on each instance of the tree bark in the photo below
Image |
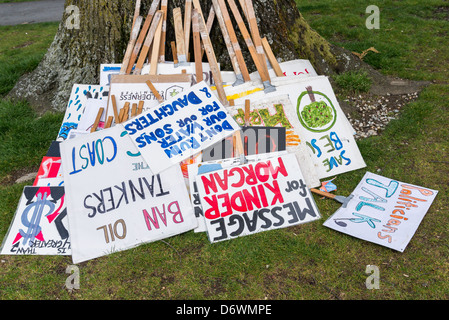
104	29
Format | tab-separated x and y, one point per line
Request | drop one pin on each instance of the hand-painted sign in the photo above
180	127
383	211
255	197
76	106
278	111
195	169
114	200
39	226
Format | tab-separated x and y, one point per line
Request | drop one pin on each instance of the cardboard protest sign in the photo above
108	70
255	140
180	127
114	200
195	169
255	197
277	111
383	211
297	67
322	123
133	89
76	106
40	225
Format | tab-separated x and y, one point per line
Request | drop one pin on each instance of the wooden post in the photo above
148	42
114	108
155	92
274	63
132	41
156	46
254	54
174	53
213	62
234	41
247	112
197	46
187	26
180	36
142	35
136	12
161	48
97	120
109	122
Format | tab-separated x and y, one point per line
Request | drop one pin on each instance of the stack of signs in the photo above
246	199
40	225
114	203
383	211
180	127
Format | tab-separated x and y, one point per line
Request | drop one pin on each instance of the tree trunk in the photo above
104	30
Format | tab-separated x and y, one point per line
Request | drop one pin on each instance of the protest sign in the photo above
50	170
322	123
114	201
255	197
255	140
383	211
39	226
277	111
195	169
76	106
180	127
89	116
130	89
108	70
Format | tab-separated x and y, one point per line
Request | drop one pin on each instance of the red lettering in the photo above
242	177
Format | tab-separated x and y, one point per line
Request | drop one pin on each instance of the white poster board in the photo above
107	70
40	224
327	133
277	111
132	89
76	106
208	166
89	116
180	127
383	211
114	202
255	197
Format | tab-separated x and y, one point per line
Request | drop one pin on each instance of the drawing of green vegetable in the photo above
317	116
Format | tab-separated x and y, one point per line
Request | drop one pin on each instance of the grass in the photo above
302	262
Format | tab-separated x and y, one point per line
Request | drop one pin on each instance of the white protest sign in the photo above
323	124
208	166
383	211
110	69
39	226
89	116
114	202
180	127
277	111
76	106
255	197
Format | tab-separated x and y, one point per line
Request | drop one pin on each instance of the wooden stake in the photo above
257	59
227	39
274	63
156	45
134	110
233	38
136	11
247	112
97	120
187	25
132	41
147	43
140	40
161	48
140	107
197	46
155	92
180	36
212	62
174	53
114	107
109	122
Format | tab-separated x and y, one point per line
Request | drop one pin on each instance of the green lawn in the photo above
304	262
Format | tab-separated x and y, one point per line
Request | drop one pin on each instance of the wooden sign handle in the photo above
132	41
197	46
